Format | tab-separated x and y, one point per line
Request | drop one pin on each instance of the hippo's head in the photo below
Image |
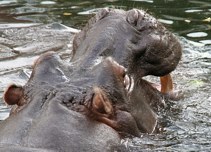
99	92
133	38
142	45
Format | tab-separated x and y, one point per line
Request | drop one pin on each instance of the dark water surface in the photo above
187	122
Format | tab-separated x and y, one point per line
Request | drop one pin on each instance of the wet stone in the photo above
39	47
6	53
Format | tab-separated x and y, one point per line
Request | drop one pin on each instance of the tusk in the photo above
166	84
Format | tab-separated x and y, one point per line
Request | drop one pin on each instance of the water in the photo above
187	121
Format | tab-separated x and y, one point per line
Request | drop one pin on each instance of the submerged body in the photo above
99	97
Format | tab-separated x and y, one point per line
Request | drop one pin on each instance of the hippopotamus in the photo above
142	45
100	96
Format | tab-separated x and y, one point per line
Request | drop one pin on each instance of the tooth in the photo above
130	89
127	82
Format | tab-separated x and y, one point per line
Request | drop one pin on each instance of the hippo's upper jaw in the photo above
133	38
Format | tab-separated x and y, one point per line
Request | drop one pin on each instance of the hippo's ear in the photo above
101	103
13	95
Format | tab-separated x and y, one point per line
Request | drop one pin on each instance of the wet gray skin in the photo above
141	44
66	109
100	96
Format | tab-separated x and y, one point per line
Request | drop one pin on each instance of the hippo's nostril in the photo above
102	13
132	17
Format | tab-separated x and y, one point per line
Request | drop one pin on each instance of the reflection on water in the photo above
187	122
197	34
185	17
